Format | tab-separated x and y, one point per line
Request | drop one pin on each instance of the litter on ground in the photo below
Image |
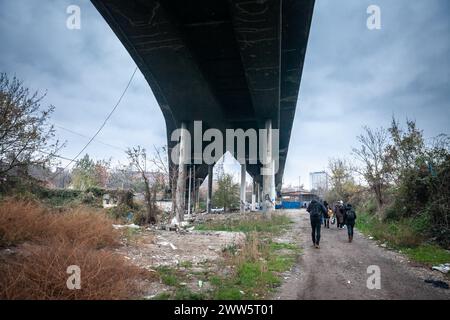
444	268
121	226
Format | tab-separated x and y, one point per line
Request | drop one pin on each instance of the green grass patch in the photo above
168	276
162	296
428	254
185	264
281	263
228	292
405	235
258	263
183	293
283	246
249	223
398	234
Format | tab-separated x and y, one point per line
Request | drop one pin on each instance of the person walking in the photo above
316	211
326	217
350	218
339	214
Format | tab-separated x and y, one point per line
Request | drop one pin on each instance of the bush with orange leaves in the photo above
44	243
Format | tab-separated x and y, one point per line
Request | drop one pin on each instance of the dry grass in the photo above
39	272
45	243
30	221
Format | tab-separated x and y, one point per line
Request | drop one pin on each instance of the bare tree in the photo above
372	155
138	158
340	175
161	161
26	138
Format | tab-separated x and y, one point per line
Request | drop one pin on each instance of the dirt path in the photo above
338	270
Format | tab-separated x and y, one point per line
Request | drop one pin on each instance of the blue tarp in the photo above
290	205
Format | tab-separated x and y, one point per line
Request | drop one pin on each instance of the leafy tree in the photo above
83	174
87	173
405	148
26	137
227	193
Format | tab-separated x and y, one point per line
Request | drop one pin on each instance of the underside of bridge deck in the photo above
228	63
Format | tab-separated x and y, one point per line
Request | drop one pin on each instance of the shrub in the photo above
39	272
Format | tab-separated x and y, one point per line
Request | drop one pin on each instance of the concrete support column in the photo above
209	192
243	186
190	192
197	194
258	193
254	185
269	193
181	180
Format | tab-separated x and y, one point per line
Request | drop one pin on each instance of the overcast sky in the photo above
352	76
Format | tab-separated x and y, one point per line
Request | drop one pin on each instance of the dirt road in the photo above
338	270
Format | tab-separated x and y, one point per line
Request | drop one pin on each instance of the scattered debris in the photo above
383	245
166	248
167	243
437	283
184	224
444	268
121	226
200	283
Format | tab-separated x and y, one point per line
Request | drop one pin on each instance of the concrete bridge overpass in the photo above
228	63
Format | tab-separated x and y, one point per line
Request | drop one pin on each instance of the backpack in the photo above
315	212
351	215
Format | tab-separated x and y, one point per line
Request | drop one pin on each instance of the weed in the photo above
183	293
168	276
162	296
185	264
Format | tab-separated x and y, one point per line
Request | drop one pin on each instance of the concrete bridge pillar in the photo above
254	192
181	180
269	172
209	191
190	193
243	186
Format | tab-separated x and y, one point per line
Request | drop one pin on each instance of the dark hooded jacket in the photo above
316	210
349	219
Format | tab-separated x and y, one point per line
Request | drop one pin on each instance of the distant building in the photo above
319	182
296	199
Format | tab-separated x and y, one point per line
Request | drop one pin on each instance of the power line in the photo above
54	155
104	122
85	136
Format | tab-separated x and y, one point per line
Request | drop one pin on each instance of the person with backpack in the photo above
316	211
349	220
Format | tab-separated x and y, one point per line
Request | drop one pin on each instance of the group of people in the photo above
321	214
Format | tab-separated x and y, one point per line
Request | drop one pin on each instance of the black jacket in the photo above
346	220
316	210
